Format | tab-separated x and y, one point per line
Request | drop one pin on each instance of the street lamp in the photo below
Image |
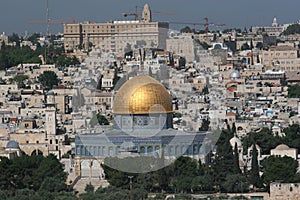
130	182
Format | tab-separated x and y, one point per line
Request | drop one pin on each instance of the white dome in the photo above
235	74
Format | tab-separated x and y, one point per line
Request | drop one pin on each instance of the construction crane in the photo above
206	24
136	14
48	21
52	21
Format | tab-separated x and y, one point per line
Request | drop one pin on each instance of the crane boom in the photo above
206	24
136	14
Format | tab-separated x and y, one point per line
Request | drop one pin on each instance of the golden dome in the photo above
142	95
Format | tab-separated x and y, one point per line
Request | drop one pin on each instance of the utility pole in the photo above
130	182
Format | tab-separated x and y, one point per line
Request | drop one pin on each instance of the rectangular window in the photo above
103	151
77	150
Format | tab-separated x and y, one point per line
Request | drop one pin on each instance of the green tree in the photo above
292	136
202	183
33	177
236	164
279	168
50	175
12	56
292	29
245	46
89	188
146	181
251	44
233	129
254	177
19	79
182	184
293	113
204	125
163	177
48	79
227	30
223	164
205	90
101	119
264	139
34	38
205	45
185	166
128	51
177	115
236	183
293	91
259	45
65	61
109	193
139	193
116	178
14	38
186	29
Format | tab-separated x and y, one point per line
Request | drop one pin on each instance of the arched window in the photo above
142	149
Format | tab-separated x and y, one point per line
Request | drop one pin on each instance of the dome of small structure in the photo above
235	74
218	46
142	95
282	147
50	92
236	141
12	145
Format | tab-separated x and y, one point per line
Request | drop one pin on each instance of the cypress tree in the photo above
223	164
233	129
236	165
254	178
251	44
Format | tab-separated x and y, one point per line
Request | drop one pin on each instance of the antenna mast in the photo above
47	16
48	30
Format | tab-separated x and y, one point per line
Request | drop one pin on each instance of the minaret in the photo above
274	24
146	15
86	41
50	113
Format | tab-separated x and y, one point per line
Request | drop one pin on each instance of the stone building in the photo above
283	57
274	30
182	45
279	191
284	150
37	131
11	150
113	36
3	39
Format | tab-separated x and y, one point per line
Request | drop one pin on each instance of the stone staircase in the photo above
96	182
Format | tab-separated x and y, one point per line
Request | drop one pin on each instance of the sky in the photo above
16	14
